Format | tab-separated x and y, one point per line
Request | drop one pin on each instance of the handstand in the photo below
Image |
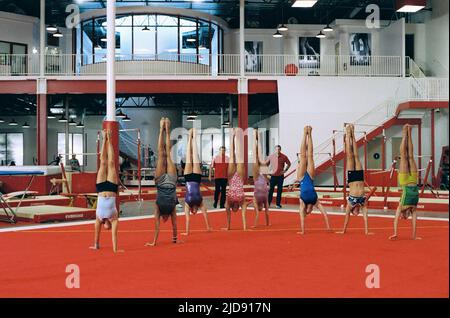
355	174
407	179
193	178
305	175
107	188
261	195
166	183
236	175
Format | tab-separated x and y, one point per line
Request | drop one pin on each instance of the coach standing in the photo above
279	164
220	166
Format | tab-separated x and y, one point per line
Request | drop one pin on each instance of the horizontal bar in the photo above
367	125
131	129
343	131
80	154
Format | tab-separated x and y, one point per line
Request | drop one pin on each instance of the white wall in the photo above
326	103
432	38
19	29
391	39
437	39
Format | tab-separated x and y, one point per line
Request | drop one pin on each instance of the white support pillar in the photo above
111	61
42	40
242	37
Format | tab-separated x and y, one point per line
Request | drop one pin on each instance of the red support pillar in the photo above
243	124
41	117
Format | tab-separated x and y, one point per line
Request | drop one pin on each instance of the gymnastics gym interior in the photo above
77	77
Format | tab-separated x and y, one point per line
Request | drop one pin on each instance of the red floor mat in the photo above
266	262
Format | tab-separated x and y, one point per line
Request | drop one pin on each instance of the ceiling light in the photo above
13	123
320	35
225	124
72	123
104	39
410	6
191	118
57	34
63	119
126	118
277	34
51	28
121	115
283	28
25	125
51	116
191	40
328	28
2	120
193	115
410	9
146	29
80	125
304	3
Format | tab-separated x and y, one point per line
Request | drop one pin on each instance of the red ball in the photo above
291	70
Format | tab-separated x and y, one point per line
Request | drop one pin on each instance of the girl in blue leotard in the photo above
305	176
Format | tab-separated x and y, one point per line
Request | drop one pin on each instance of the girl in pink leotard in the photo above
261	192
236	175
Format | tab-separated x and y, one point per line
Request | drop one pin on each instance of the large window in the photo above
167	43
151	36
11	149
75	145
14	55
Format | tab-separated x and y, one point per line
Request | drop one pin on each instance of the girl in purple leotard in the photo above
193	178
261	193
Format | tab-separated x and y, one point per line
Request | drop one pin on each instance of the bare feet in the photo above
150	244
167	125
348	129
393	237
95	247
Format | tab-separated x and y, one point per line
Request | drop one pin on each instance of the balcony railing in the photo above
204	65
